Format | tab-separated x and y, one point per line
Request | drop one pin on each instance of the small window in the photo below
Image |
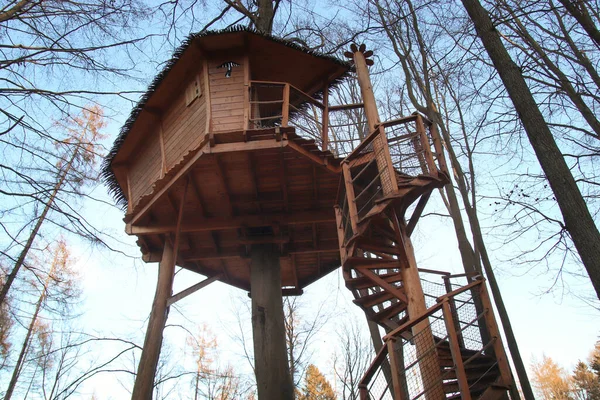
193	91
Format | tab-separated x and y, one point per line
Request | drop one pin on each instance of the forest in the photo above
512	86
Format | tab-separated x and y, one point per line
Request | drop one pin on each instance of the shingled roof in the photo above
107	174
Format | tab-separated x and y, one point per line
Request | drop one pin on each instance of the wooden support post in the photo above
350	196
452	304
144	379
396	366
492	328
270	356
380	144
325	127
459	368
428	364
285	111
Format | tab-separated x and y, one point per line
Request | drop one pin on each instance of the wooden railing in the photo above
282	104
390	378
394	154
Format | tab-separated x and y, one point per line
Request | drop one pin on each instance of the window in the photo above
193	91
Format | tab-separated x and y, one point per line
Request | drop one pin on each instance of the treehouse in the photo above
233	166
234	132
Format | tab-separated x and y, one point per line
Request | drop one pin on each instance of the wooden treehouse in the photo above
232	166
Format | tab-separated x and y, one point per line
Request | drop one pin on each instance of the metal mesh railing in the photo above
428	368
410	143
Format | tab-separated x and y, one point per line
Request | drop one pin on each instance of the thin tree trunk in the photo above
27	342
578	220
13	274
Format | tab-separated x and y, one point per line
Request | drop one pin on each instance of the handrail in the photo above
433	271
342	107
413	322
304	94
460	290
373	367
366	141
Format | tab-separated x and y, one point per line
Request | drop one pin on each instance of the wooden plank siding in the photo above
227	95
183	129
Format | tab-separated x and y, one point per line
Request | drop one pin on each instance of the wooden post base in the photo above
270	356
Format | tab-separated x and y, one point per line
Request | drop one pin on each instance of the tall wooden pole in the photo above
144	380
428	365
271	366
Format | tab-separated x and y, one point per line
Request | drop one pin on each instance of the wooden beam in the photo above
221	223
283	180
192	289
417	213
248	146
322	161
137	216
342	107
293	250
221	175
294	271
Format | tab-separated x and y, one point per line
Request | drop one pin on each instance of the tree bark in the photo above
577	218
271	366
144	379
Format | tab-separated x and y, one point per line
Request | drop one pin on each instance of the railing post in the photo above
459	368
433	171
352	211
492	326
363	393
455	318
439	149
325	125
285	111
395	370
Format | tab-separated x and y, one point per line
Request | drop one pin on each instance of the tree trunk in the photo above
144	380
38	224
25	347
271	366
578	10
578	220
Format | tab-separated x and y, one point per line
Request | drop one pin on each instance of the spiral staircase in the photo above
442	342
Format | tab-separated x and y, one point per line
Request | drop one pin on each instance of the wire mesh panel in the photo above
407	150
380	386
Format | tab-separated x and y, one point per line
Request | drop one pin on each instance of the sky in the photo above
118	290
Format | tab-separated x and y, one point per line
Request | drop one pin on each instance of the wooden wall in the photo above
177	131
226	95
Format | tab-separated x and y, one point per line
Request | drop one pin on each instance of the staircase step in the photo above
495	392
364	282
372	299
371	262
389	312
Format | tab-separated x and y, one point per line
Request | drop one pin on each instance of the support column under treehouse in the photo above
144	380
270	356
